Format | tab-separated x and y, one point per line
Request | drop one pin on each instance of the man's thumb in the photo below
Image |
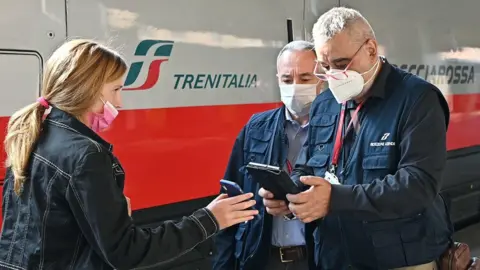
312	180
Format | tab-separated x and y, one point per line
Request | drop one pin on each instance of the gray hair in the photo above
297	46
339	19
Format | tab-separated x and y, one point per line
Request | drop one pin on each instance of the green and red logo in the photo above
161	55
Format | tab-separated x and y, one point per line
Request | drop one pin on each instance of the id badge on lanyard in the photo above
331	174
332	178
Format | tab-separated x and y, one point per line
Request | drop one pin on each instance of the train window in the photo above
20	77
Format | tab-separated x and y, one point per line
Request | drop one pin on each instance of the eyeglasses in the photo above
340	75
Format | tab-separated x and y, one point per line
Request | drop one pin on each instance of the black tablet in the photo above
273	179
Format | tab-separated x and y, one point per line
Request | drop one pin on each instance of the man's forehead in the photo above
338	47
296	61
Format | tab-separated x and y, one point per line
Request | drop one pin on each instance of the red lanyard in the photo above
289	167
339	138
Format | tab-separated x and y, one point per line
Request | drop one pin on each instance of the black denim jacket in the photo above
72	213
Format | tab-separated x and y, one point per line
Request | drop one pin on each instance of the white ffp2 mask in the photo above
347	84
298	97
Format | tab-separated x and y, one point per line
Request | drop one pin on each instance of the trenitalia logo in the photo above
161	55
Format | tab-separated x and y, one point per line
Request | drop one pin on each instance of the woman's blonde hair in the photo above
72	81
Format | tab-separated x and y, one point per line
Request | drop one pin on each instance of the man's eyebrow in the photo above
286	75
306	74
341	60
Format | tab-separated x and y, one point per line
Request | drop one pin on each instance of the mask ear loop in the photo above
376	66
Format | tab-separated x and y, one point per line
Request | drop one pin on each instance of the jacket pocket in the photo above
398	242
375	166
119	175
248	184
324	128
239	239
259	142
319	164
117	169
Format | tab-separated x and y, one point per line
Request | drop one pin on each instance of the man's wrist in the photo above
341	198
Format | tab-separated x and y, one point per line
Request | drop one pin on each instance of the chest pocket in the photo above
319	163
375	166
259	142
323	128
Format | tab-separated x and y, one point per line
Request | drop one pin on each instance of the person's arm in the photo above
224	258
100	209
417	180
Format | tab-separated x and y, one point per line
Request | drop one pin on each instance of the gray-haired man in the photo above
375	157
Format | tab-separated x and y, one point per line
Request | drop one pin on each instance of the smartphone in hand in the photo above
232	189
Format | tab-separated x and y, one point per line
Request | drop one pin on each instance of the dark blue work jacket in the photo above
246	246
388	212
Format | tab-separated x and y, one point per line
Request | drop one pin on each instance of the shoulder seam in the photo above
60	125
261	116
51	164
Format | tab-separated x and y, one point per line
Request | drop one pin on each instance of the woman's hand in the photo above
231	211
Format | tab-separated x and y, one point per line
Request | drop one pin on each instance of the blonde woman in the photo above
63	201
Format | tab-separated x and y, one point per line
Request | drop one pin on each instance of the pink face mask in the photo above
101	121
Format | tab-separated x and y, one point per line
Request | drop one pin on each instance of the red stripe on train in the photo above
464	121
178	154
